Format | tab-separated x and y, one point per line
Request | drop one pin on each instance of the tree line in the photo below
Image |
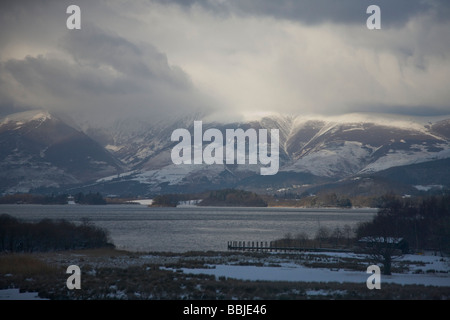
33	199
26	198
225	197
49	235
233	197
339	237
89	198
424	223
402	224
169	200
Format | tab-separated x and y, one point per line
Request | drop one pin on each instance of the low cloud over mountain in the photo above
226	59
136	70
134	158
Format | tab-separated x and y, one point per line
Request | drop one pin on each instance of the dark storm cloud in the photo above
31	20
99	74
155	58
57	77
313	12
98	47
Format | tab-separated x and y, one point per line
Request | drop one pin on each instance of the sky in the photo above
224	59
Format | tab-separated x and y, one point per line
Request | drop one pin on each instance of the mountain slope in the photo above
339	149
39	150
313	152
357	153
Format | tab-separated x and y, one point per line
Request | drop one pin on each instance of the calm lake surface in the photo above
181	229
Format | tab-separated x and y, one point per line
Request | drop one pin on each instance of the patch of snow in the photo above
188	203
144	202
339	159
113	148
325	292
15	294
405	157
121	175
304	274
120	295
431	262
429	187
353	129
294	272
20	118
174	174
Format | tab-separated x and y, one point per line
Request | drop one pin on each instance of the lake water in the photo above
181	229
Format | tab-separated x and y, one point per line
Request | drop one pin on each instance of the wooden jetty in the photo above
265	246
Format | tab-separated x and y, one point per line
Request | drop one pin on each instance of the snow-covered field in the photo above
425	270
316	274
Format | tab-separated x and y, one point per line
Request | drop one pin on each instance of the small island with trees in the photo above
219	198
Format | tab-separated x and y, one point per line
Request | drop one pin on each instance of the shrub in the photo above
49	235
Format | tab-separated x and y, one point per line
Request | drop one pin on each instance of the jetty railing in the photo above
271	247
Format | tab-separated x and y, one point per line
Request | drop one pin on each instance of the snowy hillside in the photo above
334	148
341	147
39	150
40	146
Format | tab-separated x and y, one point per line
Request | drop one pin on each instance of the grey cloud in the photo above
405	110
32	21
313	12
96	46
100	75
60	78
112	69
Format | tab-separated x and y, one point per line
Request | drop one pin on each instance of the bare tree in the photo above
302	238
381	239
348	233
323	233
337	235
383	250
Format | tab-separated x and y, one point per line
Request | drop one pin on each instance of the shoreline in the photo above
188	206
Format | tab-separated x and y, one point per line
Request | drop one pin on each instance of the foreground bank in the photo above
115	274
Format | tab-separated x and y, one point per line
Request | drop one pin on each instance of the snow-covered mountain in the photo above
38	149
314	152
342	147
312	149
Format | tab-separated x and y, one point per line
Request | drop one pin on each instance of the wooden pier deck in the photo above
265	246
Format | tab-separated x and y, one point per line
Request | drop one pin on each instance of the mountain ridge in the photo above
136	153
38	149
